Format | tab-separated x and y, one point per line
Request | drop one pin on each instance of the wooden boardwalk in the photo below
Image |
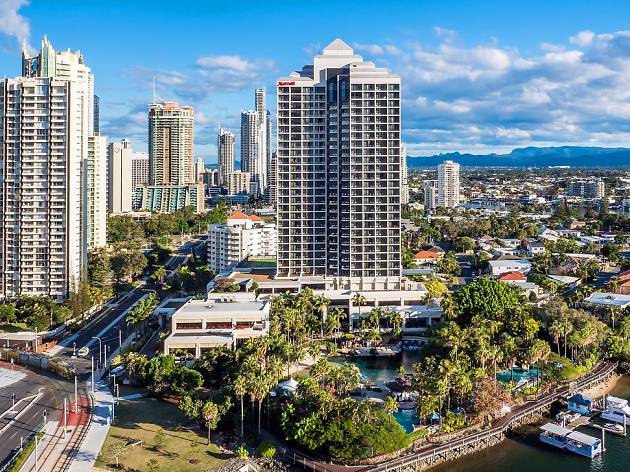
430	455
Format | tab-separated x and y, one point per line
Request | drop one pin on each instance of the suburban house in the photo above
608	300
535	248
498	267
624	283
429	256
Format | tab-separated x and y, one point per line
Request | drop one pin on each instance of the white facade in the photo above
225	153
139	170
430	188
255	149
199	167
589	188
498	267
448	184
338	151
241	237
224	319
46	119
119	177
96	187
237	182
41	153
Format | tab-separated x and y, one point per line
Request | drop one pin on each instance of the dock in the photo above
608	430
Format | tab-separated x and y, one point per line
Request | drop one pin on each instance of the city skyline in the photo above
561	84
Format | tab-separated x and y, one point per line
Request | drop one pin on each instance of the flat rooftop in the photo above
222	310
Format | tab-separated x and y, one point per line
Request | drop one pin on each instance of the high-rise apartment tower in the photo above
338	168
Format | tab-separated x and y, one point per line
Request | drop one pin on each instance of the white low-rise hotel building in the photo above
223	319
241	237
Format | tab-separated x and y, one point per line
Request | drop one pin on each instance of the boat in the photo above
573	441
617	410
613	426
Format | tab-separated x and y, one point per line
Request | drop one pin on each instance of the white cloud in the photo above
491	96
583	38
371	49
236	63
13	24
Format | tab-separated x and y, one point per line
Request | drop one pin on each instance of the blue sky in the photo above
478	76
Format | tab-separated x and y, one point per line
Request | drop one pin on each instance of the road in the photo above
28	416
110	324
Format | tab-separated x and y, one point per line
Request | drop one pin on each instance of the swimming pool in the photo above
407	418
518	374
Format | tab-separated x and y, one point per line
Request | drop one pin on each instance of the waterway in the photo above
524	453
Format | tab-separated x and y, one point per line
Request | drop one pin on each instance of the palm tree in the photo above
613	284
321	303
374	318
390	405
240	388
555	331
614	314
210	414
566	326
359	300
454	338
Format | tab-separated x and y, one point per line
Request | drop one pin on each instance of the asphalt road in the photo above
109	330
53	390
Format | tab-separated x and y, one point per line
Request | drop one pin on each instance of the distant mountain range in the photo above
574	156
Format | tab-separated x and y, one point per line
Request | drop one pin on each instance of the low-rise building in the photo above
429	256
242	236
222	319
169	198
499	267
608	300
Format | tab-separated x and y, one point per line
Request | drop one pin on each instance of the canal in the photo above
524	453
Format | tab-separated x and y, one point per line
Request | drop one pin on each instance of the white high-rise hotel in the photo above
256	144
448	184
51	169
338	172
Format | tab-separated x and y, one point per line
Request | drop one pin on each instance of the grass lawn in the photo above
139	420
14	327
259	263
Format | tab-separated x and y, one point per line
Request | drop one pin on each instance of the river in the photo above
524	453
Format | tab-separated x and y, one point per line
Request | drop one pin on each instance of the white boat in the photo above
613	426
617	414
616	410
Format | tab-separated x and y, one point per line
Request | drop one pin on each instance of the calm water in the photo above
524	453
382	369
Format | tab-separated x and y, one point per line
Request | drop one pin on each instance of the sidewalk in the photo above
101	419
49	433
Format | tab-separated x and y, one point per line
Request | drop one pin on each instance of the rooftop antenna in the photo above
154	99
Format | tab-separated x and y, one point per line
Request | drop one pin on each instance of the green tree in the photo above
7	312
211	416
449	265
185	381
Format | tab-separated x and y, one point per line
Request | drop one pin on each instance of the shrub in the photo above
242	453
267	450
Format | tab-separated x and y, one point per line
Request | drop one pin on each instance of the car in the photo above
84	351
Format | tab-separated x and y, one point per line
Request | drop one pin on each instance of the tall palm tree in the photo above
566	326
359	300
240	388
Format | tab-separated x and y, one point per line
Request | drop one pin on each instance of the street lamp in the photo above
74	349
100	344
